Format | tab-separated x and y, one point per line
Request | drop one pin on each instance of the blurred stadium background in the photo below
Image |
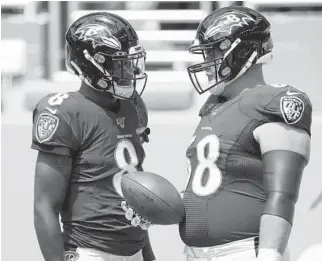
32	65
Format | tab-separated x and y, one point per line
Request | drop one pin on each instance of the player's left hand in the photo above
143	133
135	219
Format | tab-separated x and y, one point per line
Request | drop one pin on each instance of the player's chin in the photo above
124	94
123	89
216	88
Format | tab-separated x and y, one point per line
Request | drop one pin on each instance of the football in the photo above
153	197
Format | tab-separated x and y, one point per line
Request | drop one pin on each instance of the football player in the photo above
248	153
86	140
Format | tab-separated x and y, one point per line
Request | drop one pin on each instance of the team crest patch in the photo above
71	256
46	126
121	122
292	109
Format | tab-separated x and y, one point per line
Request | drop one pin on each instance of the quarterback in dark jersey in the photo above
86	141
247	155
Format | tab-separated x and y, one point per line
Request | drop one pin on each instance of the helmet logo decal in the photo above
225	23
98	35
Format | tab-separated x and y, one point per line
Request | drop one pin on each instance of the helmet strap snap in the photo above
92	60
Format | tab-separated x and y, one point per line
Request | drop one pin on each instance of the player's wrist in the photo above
267	254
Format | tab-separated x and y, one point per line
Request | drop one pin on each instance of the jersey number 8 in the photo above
206	163
57	99
122	148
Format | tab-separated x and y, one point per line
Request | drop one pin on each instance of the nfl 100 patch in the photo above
121	122
46	126
292	109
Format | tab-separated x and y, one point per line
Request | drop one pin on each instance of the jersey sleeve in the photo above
54	130
290	106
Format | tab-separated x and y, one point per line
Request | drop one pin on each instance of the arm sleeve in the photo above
54	133
282	179
147	251
291	106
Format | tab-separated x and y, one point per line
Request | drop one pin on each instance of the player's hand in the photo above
143	133
135	219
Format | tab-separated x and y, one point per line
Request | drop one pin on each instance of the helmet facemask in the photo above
123	74
215	68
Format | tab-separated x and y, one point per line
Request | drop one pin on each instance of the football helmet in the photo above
103	50
231	40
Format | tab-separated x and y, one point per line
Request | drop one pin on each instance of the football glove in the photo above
143	133
135	219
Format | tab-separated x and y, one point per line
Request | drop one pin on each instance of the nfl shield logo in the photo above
292	109
46	126
121	122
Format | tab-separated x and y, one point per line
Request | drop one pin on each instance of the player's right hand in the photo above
135	219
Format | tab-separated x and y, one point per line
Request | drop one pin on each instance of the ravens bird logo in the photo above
98	35
227	22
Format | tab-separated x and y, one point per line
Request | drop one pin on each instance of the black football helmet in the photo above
103	49
231	40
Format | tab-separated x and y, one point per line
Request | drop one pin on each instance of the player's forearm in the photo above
274	235
282	178
49	234
147	251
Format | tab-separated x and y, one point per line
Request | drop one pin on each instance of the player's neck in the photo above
100	98
253	78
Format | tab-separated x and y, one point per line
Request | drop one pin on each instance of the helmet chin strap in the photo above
80	75
91	59
120	91
219	89
125	91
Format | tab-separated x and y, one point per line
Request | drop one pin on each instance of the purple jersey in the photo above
225	196
102	144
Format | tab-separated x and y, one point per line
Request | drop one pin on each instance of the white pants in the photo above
88	254
241	250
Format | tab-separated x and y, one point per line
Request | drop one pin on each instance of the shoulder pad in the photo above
62	103
284	103
55	129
